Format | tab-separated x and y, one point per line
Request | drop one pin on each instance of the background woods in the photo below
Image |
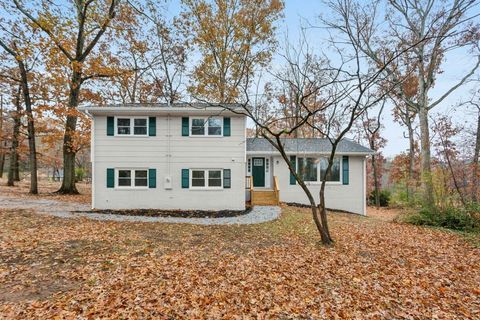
350	73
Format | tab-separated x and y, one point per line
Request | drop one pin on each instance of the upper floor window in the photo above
210	126
132	126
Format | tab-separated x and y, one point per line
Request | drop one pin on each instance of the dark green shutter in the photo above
227	179
152	126
152	178
110	178
293	161
345	170
226	127
185	178
185	124
110	126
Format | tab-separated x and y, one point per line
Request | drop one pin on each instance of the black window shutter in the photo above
152	178
293	161
227	179
152	126
226	127
185	125
345	170
110	126
110	178
185	178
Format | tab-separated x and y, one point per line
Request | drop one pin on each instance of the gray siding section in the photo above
169	152
349	197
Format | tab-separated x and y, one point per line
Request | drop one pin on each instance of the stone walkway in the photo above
62	209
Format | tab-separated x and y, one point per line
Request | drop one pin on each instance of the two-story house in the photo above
197	157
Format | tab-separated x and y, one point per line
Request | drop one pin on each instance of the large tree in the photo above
234	37
436	27
74	30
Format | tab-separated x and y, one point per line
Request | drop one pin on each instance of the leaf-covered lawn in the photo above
376	269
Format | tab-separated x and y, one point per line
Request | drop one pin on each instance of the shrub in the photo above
462	219
79	174
384	196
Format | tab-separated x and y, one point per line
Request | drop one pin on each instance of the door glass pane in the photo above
258	162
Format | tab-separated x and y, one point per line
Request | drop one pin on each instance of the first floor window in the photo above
124	178
308	169
311	169
206	178
335	171
132	178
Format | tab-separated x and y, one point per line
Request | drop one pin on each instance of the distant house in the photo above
188	157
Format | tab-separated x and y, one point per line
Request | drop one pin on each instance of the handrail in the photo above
276	189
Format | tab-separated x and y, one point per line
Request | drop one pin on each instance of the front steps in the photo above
264	198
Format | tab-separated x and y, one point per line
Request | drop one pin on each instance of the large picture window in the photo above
211	126
334	175
129	178
206	178
132	126
313	169
308	168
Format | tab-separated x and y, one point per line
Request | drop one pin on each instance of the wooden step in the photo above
264	197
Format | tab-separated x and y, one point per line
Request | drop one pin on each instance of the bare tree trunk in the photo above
31	128
16	174
2	150
411	160
427	181
13	158
2	162
475	163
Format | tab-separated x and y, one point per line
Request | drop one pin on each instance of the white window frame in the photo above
319	181
206	175
132	127
132	178
205	121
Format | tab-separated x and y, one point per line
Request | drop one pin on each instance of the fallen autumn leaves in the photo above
377	269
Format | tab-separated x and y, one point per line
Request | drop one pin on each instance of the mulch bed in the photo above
174	213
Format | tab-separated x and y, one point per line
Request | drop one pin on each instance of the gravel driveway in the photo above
62	209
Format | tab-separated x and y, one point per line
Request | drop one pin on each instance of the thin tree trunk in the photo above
16	174
411	162
2	150
475	163
31	129
2	162
13	158
427	181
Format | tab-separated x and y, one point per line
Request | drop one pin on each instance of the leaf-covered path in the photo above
377	269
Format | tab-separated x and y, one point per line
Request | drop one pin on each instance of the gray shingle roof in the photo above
195	105
307	145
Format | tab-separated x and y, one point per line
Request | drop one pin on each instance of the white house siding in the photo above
349	197
169	158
